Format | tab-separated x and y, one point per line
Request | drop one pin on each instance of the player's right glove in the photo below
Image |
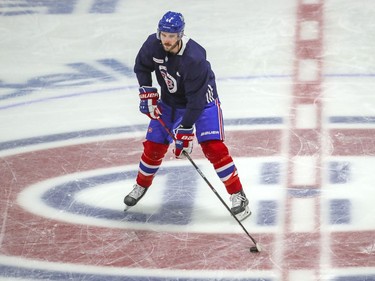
149	101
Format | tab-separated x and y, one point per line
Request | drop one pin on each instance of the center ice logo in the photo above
74	226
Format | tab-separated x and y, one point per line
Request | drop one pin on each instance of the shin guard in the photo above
153	154
217	153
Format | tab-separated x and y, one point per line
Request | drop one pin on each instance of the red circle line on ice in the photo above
62	242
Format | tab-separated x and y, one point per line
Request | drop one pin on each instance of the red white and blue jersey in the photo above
186	78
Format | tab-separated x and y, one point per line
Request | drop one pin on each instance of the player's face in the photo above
170	41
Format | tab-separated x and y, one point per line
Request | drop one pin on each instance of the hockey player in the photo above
188	105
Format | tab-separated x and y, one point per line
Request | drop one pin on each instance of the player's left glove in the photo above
184	141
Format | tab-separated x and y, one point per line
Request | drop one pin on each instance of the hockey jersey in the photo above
186	79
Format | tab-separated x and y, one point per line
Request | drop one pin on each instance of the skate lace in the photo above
137	191
237	199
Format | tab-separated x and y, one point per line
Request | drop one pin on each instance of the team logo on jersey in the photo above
169	80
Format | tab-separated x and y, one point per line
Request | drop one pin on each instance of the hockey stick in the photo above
257	247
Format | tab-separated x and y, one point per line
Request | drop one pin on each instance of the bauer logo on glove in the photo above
148	105
184	141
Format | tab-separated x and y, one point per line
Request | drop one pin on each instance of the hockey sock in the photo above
153	154
217	153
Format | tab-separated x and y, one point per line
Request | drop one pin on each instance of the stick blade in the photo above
256	249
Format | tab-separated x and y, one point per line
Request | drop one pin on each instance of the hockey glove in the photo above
184	141
149	101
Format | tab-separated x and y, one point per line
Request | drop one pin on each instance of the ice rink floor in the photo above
296	79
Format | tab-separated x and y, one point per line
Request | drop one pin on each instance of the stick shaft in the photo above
207	181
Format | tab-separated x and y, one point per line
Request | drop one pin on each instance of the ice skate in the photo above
134	196
240	206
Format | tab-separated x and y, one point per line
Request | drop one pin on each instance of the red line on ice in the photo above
304	142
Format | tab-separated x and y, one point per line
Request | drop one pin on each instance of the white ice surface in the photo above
251	47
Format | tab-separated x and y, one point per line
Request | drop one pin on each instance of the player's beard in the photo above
170	48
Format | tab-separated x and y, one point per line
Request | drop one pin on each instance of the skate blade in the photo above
244	214
127	208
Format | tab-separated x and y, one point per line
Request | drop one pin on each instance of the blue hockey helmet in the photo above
171	22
